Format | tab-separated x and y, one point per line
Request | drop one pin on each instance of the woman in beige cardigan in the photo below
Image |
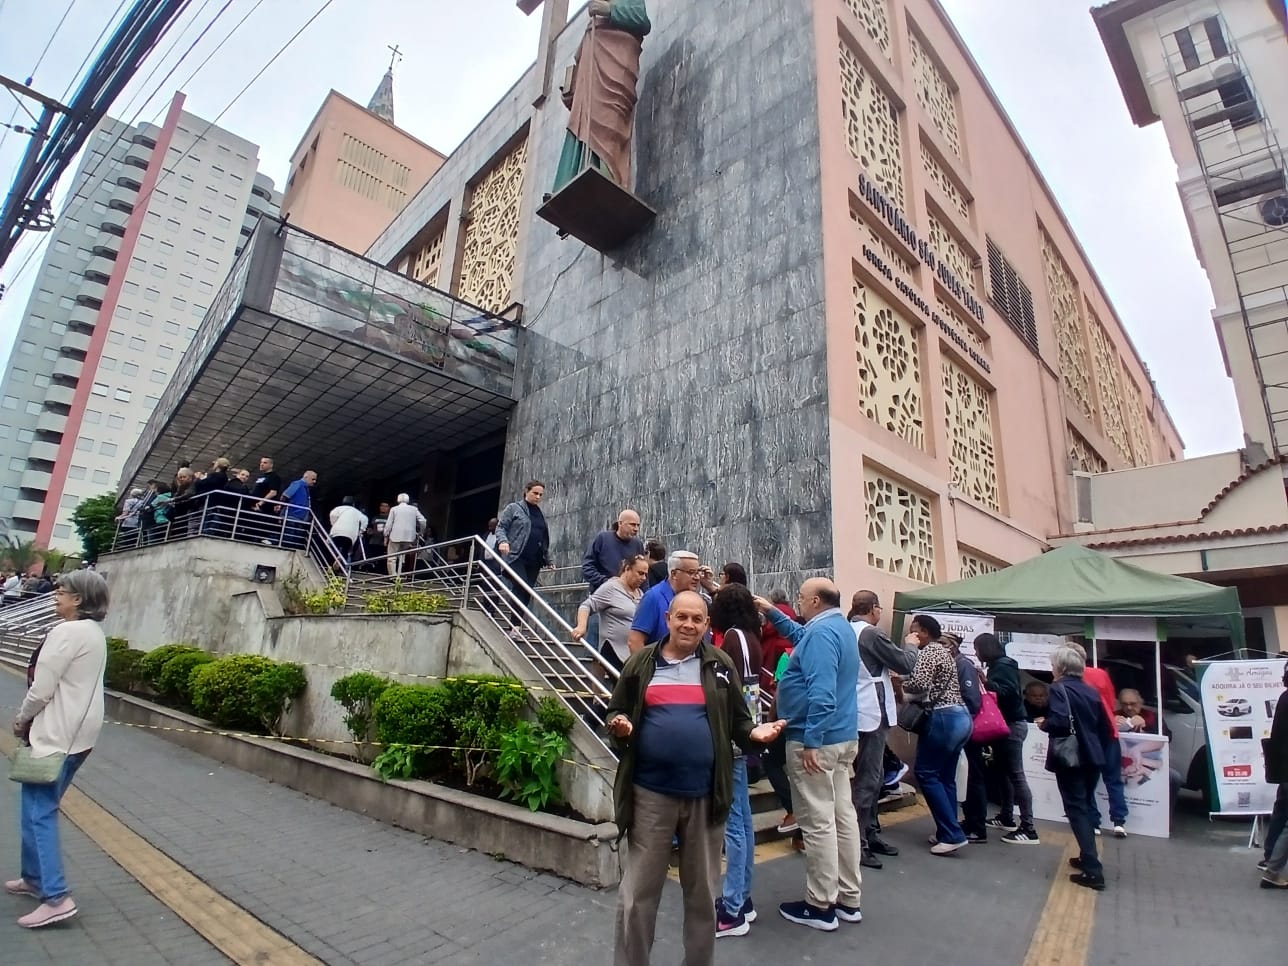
62	712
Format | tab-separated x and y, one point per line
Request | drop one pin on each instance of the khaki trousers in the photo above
828	823
658	819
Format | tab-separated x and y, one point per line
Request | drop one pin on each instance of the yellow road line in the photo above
1063	934
224	924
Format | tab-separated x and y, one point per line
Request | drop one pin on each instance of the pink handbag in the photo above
989	725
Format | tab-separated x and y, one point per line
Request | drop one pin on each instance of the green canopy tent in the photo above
1059	591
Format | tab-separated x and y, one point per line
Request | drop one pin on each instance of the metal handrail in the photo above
480	576
231	517
30	618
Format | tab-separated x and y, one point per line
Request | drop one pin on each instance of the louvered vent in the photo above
1010	296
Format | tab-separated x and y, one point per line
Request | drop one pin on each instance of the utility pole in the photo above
18	211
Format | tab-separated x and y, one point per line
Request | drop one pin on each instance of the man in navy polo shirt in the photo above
649	625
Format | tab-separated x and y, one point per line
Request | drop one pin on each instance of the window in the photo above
108	363
93	416
158	375
152	401
40	380
146	241
225	221
76	472
171	328
114	421
69	501
49	354
152	295
198	234
100	476
212	191
157	271
26	436
128	369
212	265
9	402
172	224
217	171
178	303
1011	296
57	328
217	241
137	263
27	347
131	288
190	258
122	312
100	389
17	464
166	247
34	408
122	395
66	302
19	375
205	286
185	280
62	531
107	449
180	202
84	444
205	214
137	343
62	247
44	295
198	310
165	352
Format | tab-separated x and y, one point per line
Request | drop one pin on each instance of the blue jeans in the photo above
42	858
936	768
1112	773
740	843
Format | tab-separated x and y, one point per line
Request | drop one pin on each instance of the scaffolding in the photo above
1243	167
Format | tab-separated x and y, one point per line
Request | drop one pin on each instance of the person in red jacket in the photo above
1112	773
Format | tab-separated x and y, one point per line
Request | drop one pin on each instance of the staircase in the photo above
23	626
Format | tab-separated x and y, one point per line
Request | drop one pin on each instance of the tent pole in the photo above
1158	682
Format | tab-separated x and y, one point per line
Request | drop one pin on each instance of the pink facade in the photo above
953	441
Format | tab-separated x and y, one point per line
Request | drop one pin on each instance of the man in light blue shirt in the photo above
818	697
649	625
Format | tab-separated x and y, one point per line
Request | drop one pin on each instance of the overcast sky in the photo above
1115	182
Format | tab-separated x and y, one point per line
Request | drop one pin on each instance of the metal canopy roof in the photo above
325	361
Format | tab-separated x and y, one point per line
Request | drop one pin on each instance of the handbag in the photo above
914	717
28	769
1063	750
989	725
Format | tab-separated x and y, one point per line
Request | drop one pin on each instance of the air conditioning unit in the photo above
1274	210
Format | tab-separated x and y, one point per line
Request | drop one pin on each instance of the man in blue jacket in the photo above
818	697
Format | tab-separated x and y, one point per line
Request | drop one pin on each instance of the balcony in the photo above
138	156
128	180
92	288
28	510
75	341
68	368
100	269
61	395
85	317
43	450
113	221
36	480
50	422
123	198
107	246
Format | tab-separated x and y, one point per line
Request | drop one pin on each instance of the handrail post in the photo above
469	573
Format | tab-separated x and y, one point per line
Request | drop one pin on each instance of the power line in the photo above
41	59
92	47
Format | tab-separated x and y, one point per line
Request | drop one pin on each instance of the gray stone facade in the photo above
686	375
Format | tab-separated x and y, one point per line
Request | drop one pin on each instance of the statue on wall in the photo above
603	95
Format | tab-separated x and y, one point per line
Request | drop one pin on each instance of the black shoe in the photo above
1075	862
881	847
976	838
1087	882
869	861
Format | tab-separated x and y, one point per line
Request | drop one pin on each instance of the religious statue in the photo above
603	95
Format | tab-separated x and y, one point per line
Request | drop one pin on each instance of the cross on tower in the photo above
554	17
395	56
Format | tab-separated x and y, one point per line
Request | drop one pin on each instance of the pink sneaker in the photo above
21	887
48	913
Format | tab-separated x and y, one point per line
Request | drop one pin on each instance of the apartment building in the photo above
154	219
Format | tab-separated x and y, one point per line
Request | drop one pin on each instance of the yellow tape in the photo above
515	685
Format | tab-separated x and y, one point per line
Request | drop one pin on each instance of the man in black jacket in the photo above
1277	773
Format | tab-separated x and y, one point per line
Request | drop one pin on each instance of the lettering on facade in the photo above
915	299
894	218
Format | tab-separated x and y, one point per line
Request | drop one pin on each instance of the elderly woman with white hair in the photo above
61	715
1079	729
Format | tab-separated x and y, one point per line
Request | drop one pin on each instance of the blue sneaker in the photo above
848	913
806	915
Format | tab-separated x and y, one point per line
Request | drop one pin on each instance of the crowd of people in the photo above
16	586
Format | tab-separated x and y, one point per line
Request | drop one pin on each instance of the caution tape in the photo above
511	685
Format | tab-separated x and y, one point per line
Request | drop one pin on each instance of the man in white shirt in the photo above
13	589
347	522
401	529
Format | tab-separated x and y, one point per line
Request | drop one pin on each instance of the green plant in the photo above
415	714
56	561
397	762
123	673
21	555
395	600
357	694
482	707
330	598
154	663
292	590
95	521
175	679
117	644
246	691
554	716
527	765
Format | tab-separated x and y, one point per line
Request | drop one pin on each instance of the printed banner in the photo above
1146	783
1032	652
967	627
1239	700
1125	629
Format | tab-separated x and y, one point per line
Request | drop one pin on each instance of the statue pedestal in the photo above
596	210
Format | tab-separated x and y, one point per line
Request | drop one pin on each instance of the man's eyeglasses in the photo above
689	573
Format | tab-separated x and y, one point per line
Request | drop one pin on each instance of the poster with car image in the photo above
1238	706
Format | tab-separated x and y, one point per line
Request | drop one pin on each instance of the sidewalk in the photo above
352	891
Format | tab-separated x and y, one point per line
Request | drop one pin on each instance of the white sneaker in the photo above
946	848
1120	832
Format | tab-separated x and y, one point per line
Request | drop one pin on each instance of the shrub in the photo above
123	673
554	716
415	714
156	659
398	601
527	765
246	691
117	644
330	598
397	761
175	680
482	708
357	694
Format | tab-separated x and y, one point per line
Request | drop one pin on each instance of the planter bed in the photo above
580	851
